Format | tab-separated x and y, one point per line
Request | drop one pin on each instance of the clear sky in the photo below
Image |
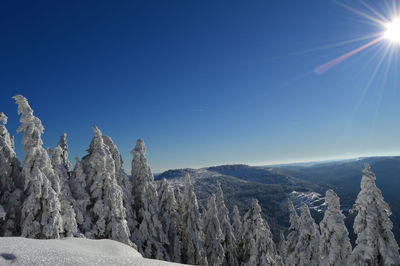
203	82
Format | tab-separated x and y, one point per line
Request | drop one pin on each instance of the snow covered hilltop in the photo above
44	198
70	251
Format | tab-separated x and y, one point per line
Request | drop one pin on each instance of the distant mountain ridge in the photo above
272	185
241	183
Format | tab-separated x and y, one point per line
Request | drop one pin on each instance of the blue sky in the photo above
202	82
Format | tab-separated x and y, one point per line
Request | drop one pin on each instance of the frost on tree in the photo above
307	247
61	166
2	213
256	244
213	234
192	245
229	240
292	257
170	219
149	236
10	183
375	244
65	152
335	246
123	181
282	245
81	197
41	210
236	222
106	209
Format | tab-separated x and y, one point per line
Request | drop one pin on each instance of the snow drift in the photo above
70	251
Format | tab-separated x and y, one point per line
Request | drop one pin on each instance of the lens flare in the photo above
393	31
389	22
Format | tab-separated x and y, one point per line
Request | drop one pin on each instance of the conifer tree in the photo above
41	209
307	247
335	246
229	241
10	183
60	165
65	152
149	236
256	243
375	244
213	235
170	220
236	222
292	256
282	245
123	181
192	245
81	197
106	209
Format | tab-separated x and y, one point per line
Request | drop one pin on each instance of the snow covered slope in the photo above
70	251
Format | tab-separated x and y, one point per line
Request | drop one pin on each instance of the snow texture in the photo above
71	251
375	244
106	209
10	183
123	181
229	240
170	219
291	255
149	236
213	234
193	249
61	166
81	197
335	246
307	247
236	222
256	239
41	210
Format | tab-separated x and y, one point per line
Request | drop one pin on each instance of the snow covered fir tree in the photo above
46	197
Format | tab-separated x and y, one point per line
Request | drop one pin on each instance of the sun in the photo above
392	32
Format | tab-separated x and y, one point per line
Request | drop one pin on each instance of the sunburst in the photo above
392	32
388	22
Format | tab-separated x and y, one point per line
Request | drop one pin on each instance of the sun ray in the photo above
326	66
382	88
373	10
328	46
372	78
358	12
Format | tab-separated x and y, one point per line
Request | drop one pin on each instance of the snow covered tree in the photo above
106	207
41	210
229	241
61	166
292	256
236	222
149	236
81	197
256	244
375	244
123	181
307	247
10	183
65	151
282	245
335	246
2	213
192	245
169	218
213	234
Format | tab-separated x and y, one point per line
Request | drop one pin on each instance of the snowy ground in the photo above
70	251
313	200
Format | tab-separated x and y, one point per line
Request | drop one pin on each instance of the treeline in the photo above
45	198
